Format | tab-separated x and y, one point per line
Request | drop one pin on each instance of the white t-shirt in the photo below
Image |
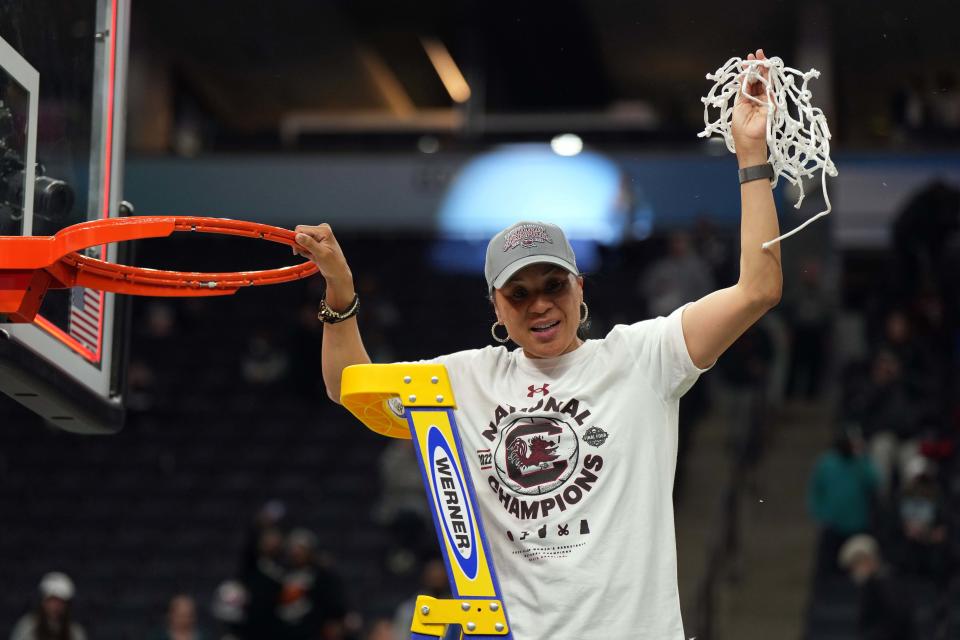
573	460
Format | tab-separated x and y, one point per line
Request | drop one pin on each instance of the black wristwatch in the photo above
756	172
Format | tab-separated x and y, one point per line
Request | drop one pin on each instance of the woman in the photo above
52	619
181	621
581	435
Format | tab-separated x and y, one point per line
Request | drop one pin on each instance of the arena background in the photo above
306	112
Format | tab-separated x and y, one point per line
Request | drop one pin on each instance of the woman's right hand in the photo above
318	244
342	345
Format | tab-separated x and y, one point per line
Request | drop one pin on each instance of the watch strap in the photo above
756	172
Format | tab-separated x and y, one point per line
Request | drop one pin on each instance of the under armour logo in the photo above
531	390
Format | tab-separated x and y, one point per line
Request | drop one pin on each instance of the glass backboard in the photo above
62	72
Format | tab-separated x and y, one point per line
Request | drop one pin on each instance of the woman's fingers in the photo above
305	240
312	238
310	247
764	70
318	232
751	83
744	77
757	86
316	243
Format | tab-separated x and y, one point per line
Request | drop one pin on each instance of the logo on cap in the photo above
526	236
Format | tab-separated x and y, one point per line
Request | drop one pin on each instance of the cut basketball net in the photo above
798	146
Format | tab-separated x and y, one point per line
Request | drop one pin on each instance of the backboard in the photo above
62	73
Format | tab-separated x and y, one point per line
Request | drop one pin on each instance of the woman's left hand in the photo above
749	126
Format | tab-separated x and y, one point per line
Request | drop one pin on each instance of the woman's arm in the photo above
342	345
713	323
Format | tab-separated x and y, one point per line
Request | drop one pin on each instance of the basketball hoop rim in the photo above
60	256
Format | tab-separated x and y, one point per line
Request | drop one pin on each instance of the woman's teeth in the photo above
544	327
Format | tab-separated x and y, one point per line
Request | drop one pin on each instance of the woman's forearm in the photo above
342	345
760	272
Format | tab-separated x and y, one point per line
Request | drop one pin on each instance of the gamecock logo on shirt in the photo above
536	454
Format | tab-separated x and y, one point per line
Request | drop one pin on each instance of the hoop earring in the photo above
493	331
585	312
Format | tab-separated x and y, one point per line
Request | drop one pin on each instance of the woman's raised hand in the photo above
318	244
749	125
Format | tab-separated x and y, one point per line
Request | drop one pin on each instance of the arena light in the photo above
567	144
587	195
584	195
453	81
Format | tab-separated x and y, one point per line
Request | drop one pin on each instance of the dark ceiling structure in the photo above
297	73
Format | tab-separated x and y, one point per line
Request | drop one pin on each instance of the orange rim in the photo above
93	269
60	256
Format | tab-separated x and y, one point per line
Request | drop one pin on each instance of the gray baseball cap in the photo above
523	244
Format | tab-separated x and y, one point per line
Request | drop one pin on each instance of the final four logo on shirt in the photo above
595	436
526	236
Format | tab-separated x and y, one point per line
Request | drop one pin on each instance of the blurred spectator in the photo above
922	544
161	320
181	621
312	603
264	363
382	308
51	619
742	375
932	331
921	234
402	507
809	316
675	279
715	250
262	576
841	497
897	339
939	444
885	612
305	343
381	318
434	583
141	386
382	629
229	609
889	415
681	276
924	371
